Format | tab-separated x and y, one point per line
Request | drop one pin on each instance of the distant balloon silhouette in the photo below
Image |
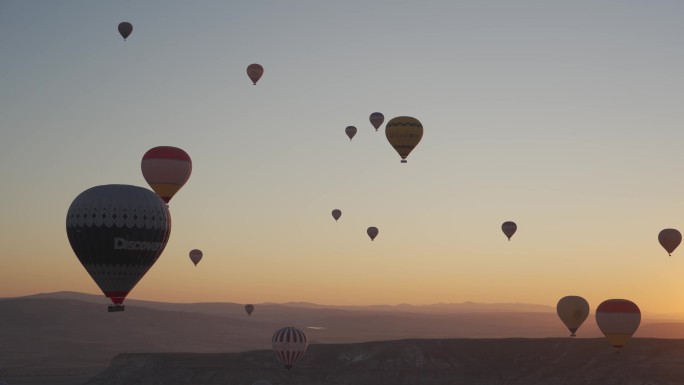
249	308
350	131
255	71
289	345
372	232
118	232
336	214
195	256
166	169
509	228
404	133
618	319
572	310
376	119
669	239
125	29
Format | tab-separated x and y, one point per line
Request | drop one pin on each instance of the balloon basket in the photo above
114	308
404	161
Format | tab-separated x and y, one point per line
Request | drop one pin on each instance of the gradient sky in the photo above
563	116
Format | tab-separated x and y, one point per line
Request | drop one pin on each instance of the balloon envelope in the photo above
125	29
249	309
669	239
404	133
118	232
289	345
195	256
618	319
350	131
509	229
166	169
255	71
376	119
572	310
336	214
372	232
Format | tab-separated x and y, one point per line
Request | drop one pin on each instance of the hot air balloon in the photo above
249	309
350	131
372	232
166	169
118	232
572	310
618	319
376	119
289	344
255	71
336	214
404	134
195	256
669	239
509	229
125	29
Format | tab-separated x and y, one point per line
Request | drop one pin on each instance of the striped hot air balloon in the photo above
618	319
166	169
289	345
404	133
118	232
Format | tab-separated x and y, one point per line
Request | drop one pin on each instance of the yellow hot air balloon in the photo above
404	133
572	310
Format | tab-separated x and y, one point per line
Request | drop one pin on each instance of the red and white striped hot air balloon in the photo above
618	319
289	345
166	169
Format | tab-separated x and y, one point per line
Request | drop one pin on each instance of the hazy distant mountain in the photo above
418	362
64	341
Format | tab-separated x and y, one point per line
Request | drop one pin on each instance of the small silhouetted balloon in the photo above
336	214
255	71
249	308
195	256
125	29
669	239
509	229
372	232
350	131
376	119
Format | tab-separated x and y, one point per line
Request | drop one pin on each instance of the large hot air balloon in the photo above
372	232
118	232
376	119
336	214
618	319
195	256
404	134
350	131
289	344
249	308
125	29
255	71
572	310
166	169
509	229
669	239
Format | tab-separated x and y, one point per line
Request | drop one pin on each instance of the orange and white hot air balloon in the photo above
618	319
255	71
166	169
195	256
572	310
